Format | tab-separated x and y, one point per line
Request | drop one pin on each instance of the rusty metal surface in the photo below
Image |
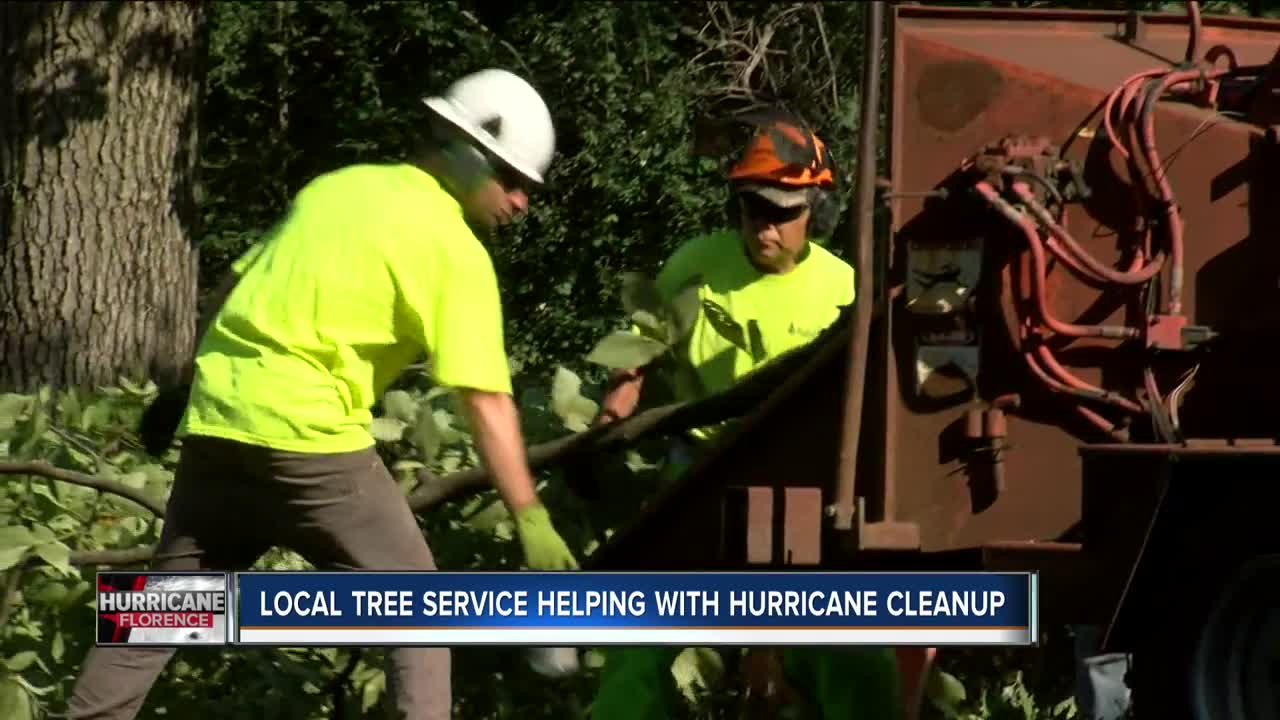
962	79
1081	48
759	525
960	475
802	526
862	252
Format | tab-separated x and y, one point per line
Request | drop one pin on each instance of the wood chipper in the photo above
1061	354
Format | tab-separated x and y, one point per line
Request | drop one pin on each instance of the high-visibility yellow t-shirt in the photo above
790	309
372	266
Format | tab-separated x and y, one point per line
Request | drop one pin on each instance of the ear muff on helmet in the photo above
824	213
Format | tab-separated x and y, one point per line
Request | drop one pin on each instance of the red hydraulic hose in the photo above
1132	105
1123	91
1125	94
1197	28
1032	235
1141	148
1094	267
1045	356
1089	415
1074	265
1110	428
1155	168
1056	377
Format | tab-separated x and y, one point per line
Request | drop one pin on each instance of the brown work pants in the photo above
230	503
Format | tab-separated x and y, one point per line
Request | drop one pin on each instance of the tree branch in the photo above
831	63
44	469
126	556
664	420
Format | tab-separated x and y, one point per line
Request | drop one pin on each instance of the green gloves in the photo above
544	549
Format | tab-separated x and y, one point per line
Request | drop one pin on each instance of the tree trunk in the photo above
98	159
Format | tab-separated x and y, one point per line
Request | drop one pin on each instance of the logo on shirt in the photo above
803	330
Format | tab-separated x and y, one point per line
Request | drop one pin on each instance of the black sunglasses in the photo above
763	212
506	176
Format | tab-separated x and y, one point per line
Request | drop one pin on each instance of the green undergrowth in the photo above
49	527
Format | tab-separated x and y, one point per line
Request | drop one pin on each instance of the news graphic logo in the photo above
169	608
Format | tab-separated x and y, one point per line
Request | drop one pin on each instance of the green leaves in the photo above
12	408
640	294
568	403
684	309
623	350
15	702
944	692
695	670
661	325
666	322
426	434
15	541
400	405
18	542
400	417
21	661
387	429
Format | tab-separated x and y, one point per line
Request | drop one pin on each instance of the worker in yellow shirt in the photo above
766	272
372	266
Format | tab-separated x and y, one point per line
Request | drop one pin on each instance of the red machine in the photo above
1061	358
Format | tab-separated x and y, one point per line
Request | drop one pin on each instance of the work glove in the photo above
544	549
161	419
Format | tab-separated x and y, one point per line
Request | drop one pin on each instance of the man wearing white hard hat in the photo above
372	266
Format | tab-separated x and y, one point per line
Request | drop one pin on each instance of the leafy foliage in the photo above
48	528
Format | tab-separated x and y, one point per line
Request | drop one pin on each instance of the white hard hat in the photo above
504	114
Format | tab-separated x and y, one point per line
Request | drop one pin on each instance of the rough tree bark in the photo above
98	152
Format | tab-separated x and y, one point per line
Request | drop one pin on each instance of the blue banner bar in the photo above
800	600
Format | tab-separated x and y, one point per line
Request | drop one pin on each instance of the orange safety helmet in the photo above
782	160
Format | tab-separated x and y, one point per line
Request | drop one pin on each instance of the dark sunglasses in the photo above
506	176
763	212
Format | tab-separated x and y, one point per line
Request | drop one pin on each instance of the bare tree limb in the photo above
757	56
44	469
831	62
126	556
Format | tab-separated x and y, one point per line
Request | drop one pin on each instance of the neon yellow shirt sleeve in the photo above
457	314
246	259
448	294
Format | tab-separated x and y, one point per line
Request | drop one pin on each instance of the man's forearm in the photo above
622	397
495	425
